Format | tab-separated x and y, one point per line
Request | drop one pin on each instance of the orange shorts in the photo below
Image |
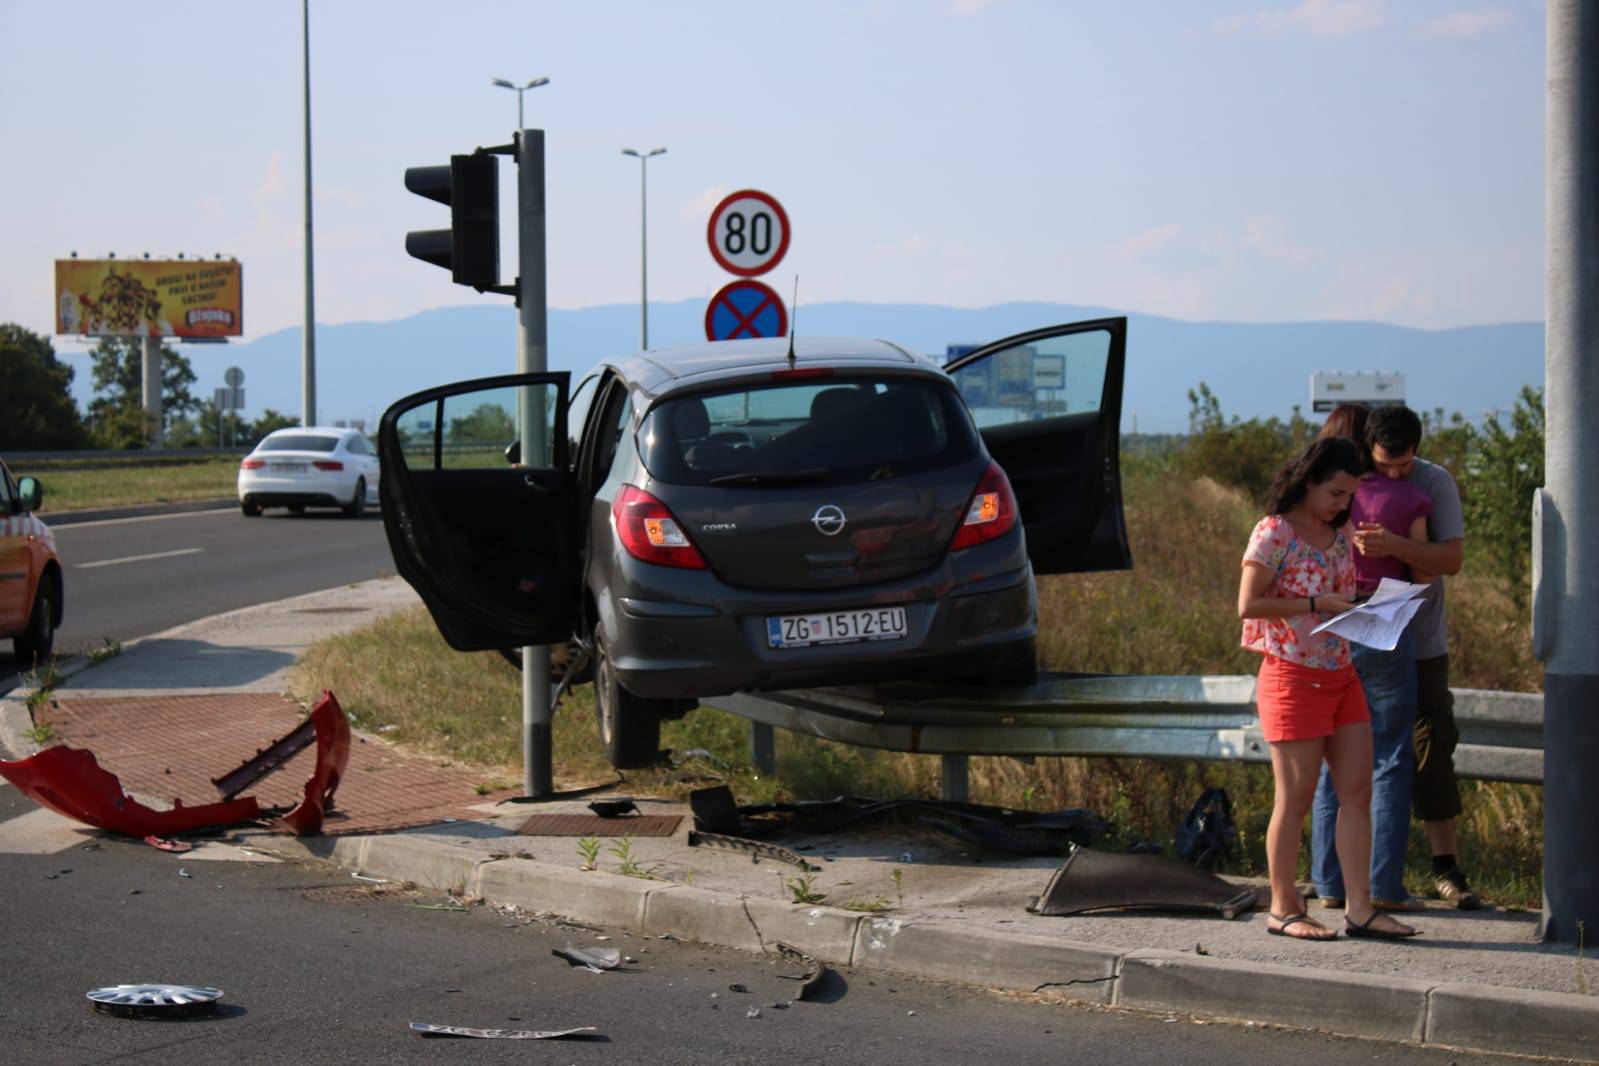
1302	702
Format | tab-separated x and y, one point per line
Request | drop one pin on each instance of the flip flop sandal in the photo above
1364	929
1288	920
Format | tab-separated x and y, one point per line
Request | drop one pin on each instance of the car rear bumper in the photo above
302	490
291	499
669	648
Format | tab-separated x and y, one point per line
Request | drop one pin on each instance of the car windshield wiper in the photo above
772	477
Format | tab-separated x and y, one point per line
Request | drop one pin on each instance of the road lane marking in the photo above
139	558
69	526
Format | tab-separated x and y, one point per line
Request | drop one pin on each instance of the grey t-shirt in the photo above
1445	523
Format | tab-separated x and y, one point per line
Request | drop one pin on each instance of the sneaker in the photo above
1453	887
1409	903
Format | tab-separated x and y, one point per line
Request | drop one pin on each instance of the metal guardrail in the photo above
15	459
1501	733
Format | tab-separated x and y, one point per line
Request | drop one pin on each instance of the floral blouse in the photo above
1302	570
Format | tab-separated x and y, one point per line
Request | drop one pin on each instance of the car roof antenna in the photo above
793	321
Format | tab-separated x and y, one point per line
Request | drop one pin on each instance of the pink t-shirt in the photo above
1393	505
1302	570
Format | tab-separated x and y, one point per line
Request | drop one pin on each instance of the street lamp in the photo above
643	243
519	90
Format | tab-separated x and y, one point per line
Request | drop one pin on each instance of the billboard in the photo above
1329	389
186	298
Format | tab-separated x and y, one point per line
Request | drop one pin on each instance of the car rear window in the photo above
298	444
842	430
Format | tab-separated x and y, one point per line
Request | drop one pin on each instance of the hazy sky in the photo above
1243	160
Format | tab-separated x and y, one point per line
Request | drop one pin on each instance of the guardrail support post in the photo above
1566	574
763	748
952	783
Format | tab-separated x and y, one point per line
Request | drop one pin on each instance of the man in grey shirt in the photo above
1396	433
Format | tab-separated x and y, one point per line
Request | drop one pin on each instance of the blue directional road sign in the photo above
745	308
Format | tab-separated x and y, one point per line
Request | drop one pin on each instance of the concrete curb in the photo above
1475	1017
137	510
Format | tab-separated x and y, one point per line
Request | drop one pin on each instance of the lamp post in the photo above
643	242
308	348
519	90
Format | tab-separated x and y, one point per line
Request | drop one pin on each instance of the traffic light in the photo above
470	248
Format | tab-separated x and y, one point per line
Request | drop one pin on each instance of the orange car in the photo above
30	573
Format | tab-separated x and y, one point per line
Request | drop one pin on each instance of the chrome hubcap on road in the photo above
165	1000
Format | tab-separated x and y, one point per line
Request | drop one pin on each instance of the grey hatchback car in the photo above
762	514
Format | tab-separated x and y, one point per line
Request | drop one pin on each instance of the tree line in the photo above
41	415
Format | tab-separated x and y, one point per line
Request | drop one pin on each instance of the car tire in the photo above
250	508
297	508
34	644
357	502
630	726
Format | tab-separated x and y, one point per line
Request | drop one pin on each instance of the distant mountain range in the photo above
1255	369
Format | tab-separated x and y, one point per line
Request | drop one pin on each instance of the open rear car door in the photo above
1049	404
488	544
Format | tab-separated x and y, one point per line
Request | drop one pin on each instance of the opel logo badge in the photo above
828	520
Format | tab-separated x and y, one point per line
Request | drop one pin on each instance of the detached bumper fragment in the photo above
71	782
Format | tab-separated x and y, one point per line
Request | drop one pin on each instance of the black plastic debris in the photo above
614	808
1208	835
813	973
998	828
594	959
755	849
429	1029
1101	881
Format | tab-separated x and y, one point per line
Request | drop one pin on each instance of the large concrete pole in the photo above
1566	566
308	350
150	388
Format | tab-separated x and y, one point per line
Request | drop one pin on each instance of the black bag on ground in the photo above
1208	835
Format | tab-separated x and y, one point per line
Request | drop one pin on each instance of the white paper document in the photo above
1379	621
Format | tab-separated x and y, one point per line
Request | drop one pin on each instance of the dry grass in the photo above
1173	614
73	484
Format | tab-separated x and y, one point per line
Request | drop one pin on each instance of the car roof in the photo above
311	431
695	366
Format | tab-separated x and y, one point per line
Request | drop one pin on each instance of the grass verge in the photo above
1173	614
75	484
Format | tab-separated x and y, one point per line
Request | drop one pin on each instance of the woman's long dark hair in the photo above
1324	459
1349	420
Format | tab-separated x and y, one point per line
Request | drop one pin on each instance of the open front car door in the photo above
486	541
1049	404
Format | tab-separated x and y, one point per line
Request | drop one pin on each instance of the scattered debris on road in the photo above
814	969
429	1029
597	960
155	1000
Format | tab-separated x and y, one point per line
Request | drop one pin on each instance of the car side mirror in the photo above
30	493
513	452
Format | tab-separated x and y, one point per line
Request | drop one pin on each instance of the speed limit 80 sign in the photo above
748	233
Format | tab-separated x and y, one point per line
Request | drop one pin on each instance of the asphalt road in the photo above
315	968
130	577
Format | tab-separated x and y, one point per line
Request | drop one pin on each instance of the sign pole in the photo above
532	356
1565	623
308	357
150	365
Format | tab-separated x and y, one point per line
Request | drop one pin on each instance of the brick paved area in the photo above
166	746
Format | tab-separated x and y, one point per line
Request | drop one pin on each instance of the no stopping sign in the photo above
748	233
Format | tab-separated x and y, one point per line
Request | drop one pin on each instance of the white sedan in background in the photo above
310	466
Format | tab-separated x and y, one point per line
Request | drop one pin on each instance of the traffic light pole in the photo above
532	357
1565	623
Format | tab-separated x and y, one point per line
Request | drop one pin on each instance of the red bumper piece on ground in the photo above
332	756
71	782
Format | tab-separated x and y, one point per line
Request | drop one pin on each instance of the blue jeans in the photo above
1389	679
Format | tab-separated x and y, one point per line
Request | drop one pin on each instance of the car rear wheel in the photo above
357	502
34	644
250	508
630	726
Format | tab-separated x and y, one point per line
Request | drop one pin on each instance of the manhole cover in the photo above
592	825
167	1001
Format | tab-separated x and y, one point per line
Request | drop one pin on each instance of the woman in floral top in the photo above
1298	572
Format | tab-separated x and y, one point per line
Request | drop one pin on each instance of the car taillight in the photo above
802	373
991	512
650	533
327	464
253	464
